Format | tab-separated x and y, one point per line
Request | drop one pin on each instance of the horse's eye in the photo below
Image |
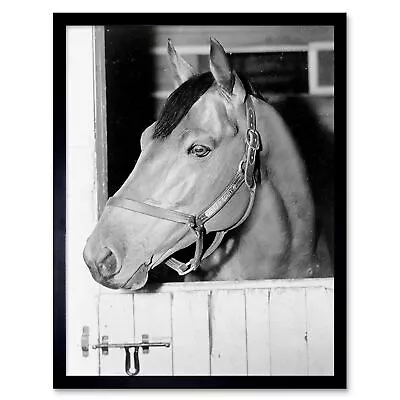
199	150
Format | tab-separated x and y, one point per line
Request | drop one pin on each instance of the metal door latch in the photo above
145	344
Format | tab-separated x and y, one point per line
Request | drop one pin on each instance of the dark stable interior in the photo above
130	81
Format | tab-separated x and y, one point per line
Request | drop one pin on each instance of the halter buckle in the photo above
180	267
252	144
253	139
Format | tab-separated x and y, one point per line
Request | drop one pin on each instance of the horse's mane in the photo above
182	99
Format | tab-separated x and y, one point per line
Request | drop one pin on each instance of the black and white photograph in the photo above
201	195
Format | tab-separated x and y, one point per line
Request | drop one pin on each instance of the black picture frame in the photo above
60	379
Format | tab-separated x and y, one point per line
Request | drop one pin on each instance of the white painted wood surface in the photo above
190	330
115	321
81	192
272	327
258	332
319	329
228	333
288	331
152	313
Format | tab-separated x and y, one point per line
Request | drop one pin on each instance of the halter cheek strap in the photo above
245	174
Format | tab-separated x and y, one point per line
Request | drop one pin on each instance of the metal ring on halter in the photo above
241	166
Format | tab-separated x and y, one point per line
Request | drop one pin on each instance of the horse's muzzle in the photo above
102	264
106	263
107	270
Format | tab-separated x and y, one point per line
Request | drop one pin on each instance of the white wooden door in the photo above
280	327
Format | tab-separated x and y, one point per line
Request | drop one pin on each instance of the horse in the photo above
218	172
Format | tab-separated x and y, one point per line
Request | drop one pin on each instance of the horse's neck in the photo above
277	239
257	248
283	166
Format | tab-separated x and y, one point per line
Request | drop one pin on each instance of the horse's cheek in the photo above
177	190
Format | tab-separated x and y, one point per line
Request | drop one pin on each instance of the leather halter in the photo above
245	174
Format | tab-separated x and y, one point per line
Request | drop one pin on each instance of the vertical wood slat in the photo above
190	329
320	330
288	332
228	333
152	313
116	321
100	121
258	333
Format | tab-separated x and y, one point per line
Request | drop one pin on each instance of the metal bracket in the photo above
104	347
85	341
145	344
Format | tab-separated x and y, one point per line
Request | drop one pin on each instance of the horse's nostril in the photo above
106	263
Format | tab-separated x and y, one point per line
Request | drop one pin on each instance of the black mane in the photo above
180	102
182	99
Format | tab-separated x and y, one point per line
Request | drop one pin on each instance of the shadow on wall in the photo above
316	144
130	107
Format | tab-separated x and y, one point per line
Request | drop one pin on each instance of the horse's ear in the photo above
181	69
222	71
220	66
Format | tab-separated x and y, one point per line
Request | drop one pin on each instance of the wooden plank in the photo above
152	314
288	331
81	208
190	329
258	334
331	300
100	116
116	321
228	332
239	285
191	51
320	331
243	36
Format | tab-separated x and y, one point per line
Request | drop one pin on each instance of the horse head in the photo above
189	158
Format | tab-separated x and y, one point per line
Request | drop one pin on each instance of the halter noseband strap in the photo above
245	174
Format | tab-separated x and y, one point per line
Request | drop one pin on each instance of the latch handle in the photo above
136	364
